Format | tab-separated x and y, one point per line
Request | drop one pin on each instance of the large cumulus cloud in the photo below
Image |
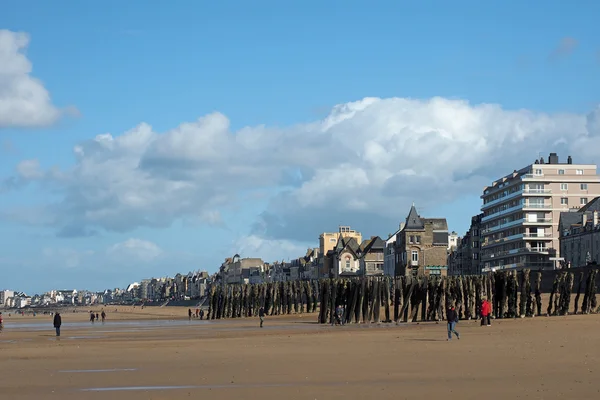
363	165
24	101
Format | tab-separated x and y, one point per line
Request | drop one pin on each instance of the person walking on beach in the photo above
261	315
190	314
92	317
201	314
452	319
103	315
57	323
1	322
486	310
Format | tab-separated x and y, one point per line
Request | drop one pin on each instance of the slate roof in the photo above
413	220
592	206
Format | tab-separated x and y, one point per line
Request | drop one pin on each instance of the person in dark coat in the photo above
452	319
57	323
261	315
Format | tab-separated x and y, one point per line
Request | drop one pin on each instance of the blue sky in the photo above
274	162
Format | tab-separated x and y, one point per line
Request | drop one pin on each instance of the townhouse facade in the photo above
579	236
422	246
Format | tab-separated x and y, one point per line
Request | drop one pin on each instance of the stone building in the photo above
422	246
465	258
579	235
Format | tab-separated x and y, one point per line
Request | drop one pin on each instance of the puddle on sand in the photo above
85	337
224	386
74	371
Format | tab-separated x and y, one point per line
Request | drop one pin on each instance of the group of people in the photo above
452	318
199	314
96	317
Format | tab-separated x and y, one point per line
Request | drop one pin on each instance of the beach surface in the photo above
156	353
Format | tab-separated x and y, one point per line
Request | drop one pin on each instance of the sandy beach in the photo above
156	353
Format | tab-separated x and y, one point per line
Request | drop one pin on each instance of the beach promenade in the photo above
156	353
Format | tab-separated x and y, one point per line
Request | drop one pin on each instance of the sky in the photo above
143	139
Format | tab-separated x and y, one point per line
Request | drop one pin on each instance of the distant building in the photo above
422	246
464	259
452	240
522	210
328	241
579	235
389	258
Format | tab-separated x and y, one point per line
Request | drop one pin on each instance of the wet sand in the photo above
294	358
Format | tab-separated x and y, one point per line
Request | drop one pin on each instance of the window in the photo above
475	232
417	239
332	240
415	256
579	172
564	186
475	256
561	171
475	244
347	264
538	172
411	239
564	201
583	201
583	186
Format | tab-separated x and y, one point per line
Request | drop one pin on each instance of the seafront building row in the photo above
541	216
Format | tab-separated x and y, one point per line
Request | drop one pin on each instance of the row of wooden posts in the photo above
403	299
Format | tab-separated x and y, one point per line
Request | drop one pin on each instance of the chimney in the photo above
569	160
541	160
553	159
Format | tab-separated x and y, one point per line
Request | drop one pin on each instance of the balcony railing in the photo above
532	176
537	235
537	191
502	240
503	212
537	206
501	199
515	251
503	226
539	221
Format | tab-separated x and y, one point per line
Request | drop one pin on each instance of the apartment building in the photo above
521	212
579	235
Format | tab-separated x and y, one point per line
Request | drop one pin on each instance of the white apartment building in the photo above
521	212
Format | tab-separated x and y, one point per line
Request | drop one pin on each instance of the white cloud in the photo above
137	249
29	169
364	164
24	101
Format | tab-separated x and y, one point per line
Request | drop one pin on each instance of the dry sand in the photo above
294	358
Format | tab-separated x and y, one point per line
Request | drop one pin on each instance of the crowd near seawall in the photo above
511	294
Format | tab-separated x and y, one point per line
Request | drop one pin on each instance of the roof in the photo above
592	206
567	219
413	220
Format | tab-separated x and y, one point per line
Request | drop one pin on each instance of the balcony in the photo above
537	236
512	252
502	226
539	221
532	176
510	238
537	206
537	191
503	212
501	199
